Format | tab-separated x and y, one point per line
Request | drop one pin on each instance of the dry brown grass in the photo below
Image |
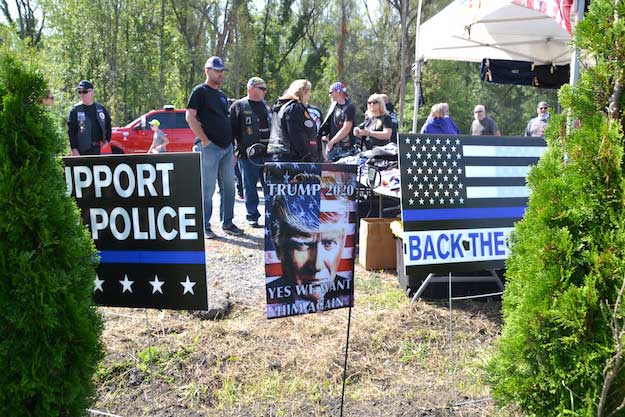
401	362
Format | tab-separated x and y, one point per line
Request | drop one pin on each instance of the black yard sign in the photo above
144	213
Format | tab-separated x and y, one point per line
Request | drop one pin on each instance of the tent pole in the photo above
581	5
417	70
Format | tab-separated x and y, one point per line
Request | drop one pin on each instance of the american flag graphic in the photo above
314	210
456	183
562	11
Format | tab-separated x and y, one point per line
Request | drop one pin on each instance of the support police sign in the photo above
461	196
144	213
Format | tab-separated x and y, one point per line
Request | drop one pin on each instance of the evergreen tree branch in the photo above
614	364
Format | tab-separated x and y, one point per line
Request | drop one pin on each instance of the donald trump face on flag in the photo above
309	244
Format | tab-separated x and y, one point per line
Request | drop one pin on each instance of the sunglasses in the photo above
83	91
262	88
478	111
543	108
372	102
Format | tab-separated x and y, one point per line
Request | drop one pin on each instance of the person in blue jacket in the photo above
437	123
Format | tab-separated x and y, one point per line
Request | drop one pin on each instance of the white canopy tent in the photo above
521	30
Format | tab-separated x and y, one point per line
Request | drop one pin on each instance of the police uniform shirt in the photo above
342	113
212	112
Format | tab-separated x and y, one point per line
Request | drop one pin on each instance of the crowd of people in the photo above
440	122
248	132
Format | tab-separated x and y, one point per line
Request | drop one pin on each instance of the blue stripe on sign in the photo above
463	213
152	257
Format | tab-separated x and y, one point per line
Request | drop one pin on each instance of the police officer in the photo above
293	136
88	123
250	118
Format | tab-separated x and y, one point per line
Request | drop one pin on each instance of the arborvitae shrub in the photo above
49	330
568	259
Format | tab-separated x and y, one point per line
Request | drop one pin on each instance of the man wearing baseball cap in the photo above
536	126
250	119
336	129
208	117
88	123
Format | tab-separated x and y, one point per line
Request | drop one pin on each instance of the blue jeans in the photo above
218	166
251	174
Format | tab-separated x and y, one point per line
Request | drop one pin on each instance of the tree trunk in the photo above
263	43
404	60
161	58
340	67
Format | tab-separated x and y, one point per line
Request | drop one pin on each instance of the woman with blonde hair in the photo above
293	135
439	121
377	128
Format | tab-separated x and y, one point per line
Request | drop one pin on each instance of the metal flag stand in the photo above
451	328
150	346
349	321
431	278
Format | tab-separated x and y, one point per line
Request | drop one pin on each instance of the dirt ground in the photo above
404	359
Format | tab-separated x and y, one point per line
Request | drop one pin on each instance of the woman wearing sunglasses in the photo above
377	128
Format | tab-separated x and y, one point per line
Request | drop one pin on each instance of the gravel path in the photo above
235	265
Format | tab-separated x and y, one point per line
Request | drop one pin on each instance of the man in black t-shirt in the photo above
250	119
208	117
337	126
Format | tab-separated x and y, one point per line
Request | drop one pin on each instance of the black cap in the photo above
85	85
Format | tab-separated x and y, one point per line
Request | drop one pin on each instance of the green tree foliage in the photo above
49	331
143	54
568	258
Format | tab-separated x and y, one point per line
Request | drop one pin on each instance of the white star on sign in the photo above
156	285
98	283
411	201
126	284
188	286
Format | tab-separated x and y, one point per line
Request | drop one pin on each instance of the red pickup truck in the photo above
136	136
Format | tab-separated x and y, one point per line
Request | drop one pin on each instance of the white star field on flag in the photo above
437	182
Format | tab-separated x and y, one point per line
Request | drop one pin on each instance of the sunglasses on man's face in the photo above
83	91
262	88
543	108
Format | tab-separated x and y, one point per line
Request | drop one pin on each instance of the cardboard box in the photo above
377	244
